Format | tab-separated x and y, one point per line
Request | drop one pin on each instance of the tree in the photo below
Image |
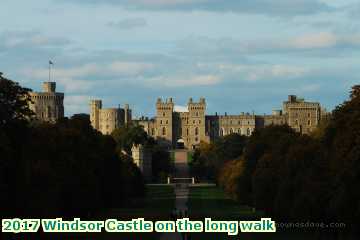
14	101
343	140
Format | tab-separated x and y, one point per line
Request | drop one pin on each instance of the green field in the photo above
158	203
210	201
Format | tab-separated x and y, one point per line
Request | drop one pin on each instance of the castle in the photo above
48	105
107	120
187	129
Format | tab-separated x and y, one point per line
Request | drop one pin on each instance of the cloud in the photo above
76	104
130	68
129	23
266	7
253	73
178	108
183	81
229	48
25	39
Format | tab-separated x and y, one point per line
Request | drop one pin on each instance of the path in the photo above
181	189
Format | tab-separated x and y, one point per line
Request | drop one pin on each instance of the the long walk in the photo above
181	189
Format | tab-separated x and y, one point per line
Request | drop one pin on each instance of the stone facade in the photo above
302	116
193	126
48	105
106	120
142	157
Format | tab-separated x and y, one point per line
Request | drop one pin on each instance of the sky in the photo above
242	56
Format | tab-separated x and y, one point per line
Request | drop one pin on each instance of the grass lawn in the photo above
158	203
210	201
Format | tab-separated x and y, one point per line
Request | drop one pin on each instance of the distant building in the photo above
107	120
143	159
302	116
48	105
188	128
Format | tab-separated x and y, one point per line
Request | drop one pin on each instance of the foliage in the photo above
13	102
208	159
293	177
62	169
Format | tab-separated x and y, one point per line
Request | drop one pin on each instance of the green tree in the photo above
14	101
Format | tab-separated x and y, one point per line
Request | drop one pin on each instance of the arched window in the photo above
49	112
221	132
164	131
187	132
196	131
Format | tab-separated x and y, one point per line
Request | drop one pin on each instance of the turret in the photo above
95	106
49	87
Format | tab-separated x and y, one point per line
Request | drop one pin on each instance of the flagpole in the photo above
49	70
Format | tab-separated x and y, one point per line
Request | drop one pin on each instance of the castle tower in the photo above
164	120
197	122
95	106
127	114
48	105
143	159
49	87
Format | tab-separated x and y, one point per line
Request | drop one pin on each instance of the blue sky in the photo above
242	56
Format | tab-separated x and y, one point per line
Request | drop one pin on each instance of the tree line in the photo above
289	176
66	168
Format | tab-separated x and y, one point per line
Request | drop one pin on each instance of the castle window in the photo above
221	132
167	121
309	122
196	139
163	114
160	121
164	131
196	131
197	114
187	132
194	122
199	121
309	115
49	112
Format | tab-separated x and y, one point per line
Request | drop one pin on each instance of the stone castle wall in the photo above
194	126
48	105
106	120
